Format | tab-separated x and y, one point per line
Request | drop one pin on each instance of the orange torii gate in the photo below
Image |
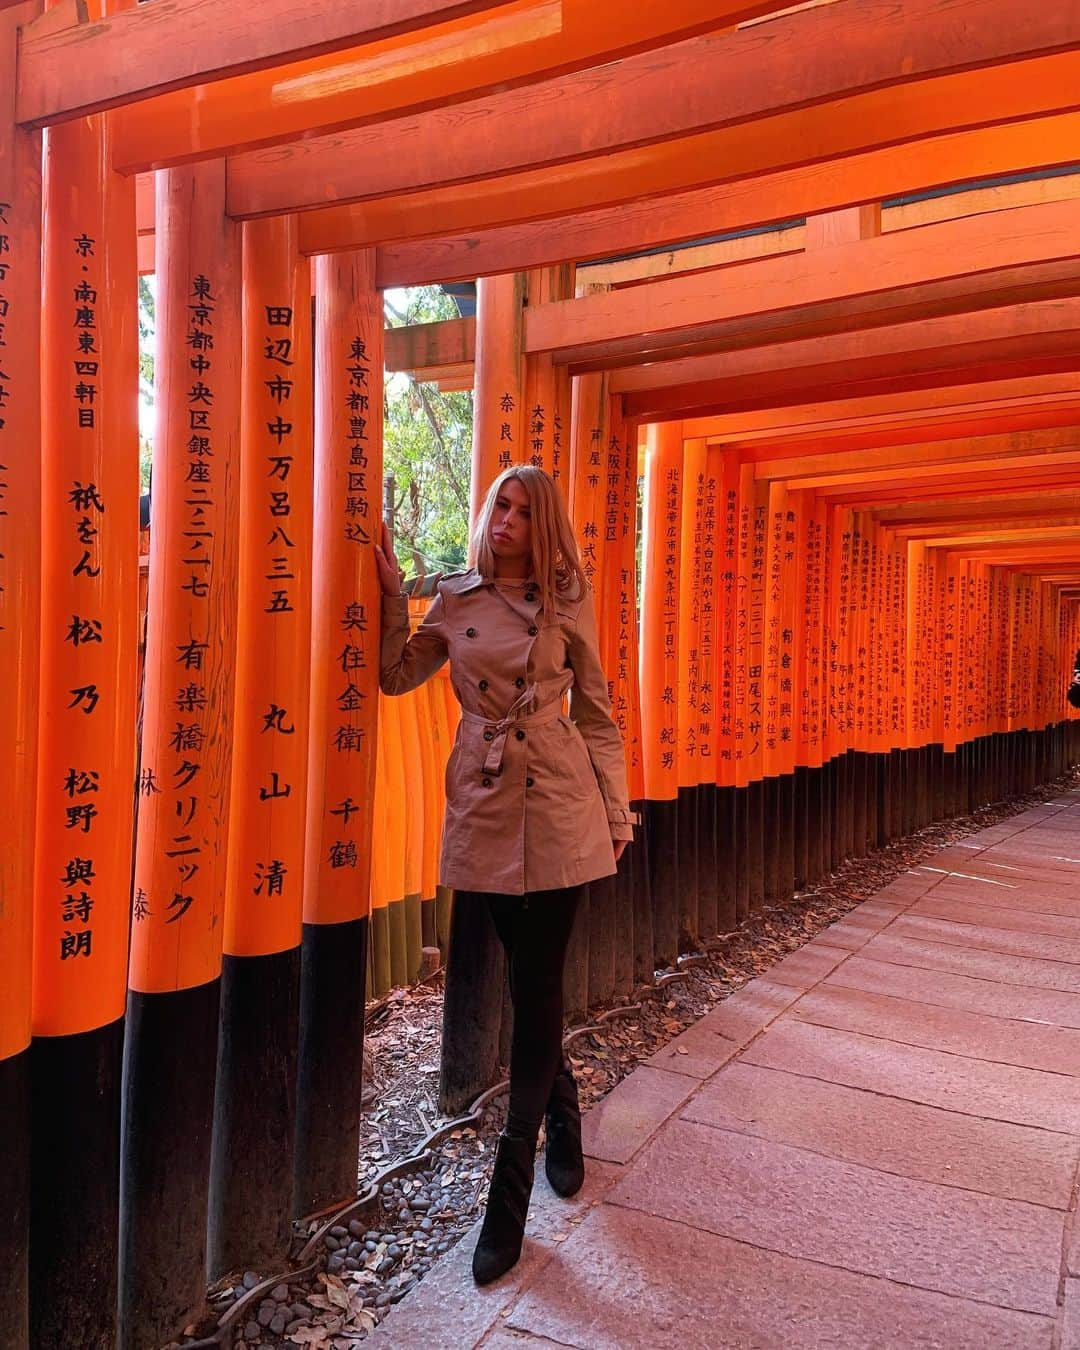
860	536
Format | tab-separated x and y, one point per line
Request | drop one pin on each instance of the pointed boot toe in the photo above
563	1160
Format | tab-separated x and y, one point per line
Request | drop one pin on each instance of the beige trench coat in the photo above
533	798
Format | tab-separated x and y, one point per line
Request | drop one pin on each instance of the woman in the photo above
536	802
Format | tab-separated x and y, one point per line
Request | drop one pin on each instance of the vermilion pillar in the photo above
659	655
691	567
184	779
343	726
20	574
499	414
255	1101
89	617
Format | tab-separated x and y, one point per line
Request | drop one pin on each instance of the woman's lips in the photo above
501	536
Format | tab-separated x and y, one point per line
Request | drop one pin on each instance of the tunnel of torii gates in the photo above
839	343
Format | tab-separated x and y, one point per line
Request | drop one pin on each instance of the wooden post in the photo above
499	421
20	578
180	871
255	1101
692	508
89	615
660	679
714	873
547	385
343	725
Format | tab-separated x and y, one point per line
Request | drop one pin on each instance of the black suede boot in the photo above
499	1245
563	1162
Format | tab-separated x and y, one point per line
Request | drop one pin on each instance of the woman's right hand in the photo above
391	574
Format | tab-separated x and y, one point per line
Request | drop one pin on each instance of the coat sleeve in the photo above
590	709
406	662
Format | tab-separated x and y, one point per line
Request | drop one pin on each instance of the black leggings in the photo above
535	930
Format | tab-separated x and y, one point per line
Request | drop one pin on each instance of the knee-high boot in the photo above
563	1160
499	1245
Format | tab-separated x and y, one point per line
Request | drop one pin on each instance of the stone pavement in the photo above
875	1145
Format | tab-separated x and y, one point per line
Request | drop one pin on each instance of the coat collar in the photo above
462	582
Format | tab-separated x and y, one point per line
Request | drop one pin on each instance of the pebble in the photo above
277	1326
356	1249
351	1263
387	1187
332	1244
403	1216
250	1279
336	1263
384	1299
280	1293
266	1315
356	1228
296	1324
420	1205
338	1231
371	1245
427	1225
393	1250
371	1235
299	1309
251	1331
385	1266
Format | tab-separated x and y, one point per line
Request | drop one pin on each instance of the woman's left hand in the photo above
619	846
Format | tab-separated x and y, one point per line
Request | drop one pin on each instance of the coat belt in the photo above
516	715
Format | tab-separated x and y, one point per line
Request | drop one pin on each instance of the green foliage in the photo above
147	323
427	448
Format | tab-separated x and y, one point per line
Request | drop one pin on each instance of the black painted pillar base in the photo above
664	879
444	909
814	826
770	810
414	940
399	965
602	937
624	920
472	1005
379	939
843	807
251	1162
727	848
429	922
785	838
329	1083
75	1187
884	798
741	811
15	1208
689	918
801	809
170	1057
640	856
708	859
859	779
755	845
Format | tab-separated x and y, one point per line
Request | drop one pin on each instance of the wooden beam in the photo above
938	269
813	470
515	44
854	417
758	84
450	342
173	44
850	365
476	240
974	470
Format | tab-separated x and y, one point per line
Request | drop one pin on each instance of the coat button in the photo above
470	632
520	735
530	596
520	682
487	782
533	630
529	782
489	735
482	685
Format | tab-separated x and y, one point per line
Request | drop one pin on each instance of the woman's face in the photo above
511	523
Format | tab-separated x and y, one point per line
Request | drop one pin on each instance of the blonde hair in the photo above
556	564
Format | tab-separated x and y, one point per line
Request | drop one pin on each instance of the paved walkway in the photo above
875	1145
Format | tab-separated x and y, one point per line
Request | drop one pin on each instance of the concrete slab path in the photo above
876	1145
